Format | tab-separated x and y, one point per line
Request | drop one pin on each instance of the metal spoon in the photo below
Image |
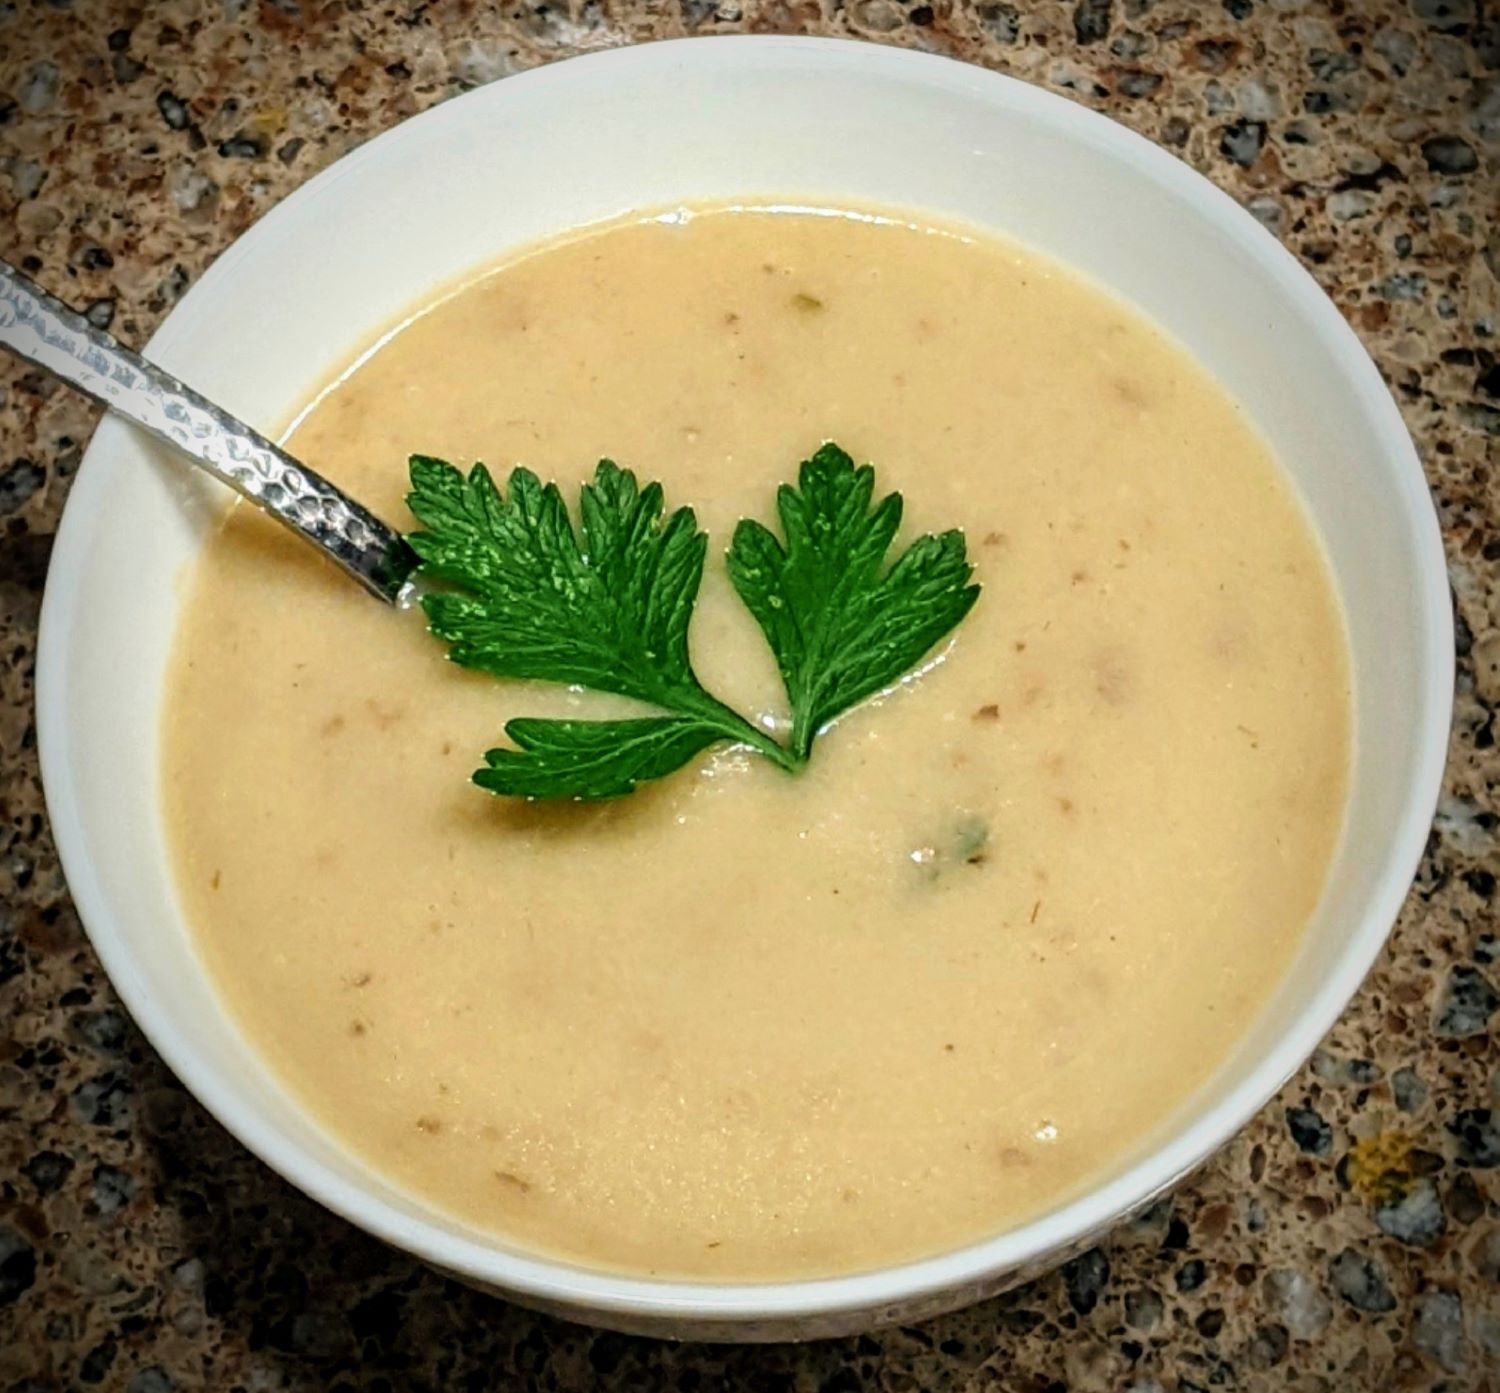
47	334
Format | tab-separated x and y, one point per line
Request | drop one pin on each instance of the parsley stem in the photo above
741	731
802	740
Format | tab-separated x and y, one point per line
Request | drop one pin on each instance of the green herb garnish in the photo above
842	625
606	606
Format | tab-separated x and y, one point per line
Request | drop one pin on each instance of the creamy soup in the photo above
743	1023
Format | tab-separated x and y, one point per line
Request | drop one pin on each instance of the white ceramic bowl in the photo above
705	119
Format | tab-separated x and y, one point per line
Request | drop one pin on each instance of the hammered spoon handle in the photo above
47	334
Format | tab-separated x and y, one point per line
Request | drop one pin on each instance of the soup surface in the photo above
742	1023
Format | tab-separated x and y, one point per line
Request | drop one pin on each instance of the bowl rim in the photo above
558	1282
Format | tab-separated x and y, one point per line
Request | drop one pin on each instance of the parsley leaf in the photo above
592	759
606	607
605	604
530	600
841	624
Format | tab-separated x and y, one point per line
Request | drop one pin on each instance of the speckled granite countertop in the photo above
1348	1240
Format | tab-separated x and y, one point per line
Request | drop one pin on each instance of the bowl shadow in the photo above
300	1290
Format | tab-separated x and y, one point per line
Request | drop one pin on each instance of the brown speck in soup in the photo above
216	879
430	1125
1096	983
995	539
1079	576
512	1181
332	726
731	318
357	1027
1129	392
1065	805
807	304
1230	641
651	1043
1112	680
360	979
989	712
384	714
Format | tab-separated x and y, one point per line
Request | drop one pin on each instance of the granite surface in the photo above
1348	1240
